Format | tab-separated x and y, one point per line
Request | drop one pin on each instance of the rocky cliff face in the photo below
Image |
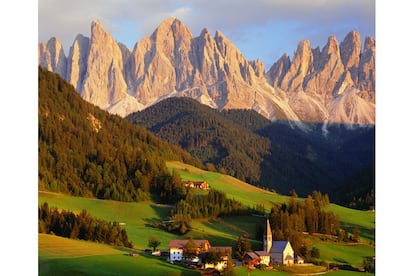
314	86
335	85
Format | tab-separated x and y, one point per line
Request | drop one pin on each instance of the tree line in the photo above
214	204
289	220
80	226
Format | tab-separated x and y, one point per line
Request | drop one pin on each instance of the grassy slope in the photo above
137	216
60	256
251	195
247	194
220	231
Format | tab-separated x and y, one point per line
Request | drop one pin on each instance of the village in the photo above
212	260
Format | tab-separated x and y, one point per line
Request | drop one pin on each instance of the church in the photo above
281	252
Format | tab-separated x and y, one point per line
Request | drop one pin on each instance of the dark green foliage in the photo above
244	144
314	253
84	151
80	226
247	118
179	227
153	242
190	249
211	257
369	264
307	161
214	204
288	221
242	247
358	191
211	136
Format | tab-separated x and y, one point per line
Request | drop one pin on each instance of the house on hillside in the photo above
257	257
281	252
264	257
202	185
251	259
225	253
176	248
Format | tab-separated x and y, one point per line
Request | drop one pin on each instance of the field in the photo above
138	218
60	256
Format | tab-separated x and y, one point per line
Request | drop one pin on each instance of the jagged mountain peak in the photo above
171	27
369	43
332	46
171	62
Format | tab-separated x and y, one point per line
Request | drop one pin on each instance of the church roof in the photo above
279	246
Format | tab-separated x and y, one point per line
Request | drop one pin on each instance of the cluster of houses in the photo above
202	185
202	247
274	252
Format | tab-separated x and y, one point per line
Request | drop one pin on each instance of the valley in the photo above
138	218
181	155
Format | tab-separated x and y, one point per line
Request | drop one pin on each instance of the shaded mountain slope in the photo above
246	145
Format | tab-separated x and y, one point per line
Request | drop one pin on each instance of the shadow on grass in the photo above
340	260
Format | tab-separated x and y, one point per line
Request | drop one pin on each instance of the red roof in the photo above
182	243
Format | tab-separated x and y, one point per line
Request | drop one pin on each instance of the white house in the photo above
177	248
264	257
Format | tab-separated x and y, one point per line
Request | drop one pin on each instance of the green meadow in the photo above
138	218
251	195
61	256
352	254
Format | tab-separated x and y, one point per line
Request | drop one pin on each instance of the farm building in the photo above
202	185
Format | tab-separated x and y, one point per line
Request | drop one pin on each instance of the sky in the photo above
261	29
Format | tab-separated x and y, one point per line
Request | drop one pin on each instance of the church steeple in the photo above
267	237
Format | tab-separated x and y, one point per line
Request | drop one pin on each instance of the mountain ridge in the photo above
335	85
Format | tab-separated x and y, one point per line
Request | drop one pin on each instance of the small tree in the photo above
212	257
315	253
355	234
153	242
243	246
190	248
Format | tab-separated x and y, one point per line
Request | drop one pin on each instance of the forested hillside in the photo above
244	144
85	151
207	134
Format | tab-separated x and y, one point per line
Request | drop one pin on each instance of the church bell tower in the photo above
267	238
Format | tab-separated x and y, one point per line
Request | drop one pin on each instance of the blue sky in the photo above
264	29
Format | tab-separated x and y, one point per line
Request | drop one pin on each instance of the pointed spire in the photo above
267	237
268	229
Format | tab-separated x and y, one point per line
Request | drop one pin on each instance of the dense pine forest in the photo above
273	155
204	132
84	151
